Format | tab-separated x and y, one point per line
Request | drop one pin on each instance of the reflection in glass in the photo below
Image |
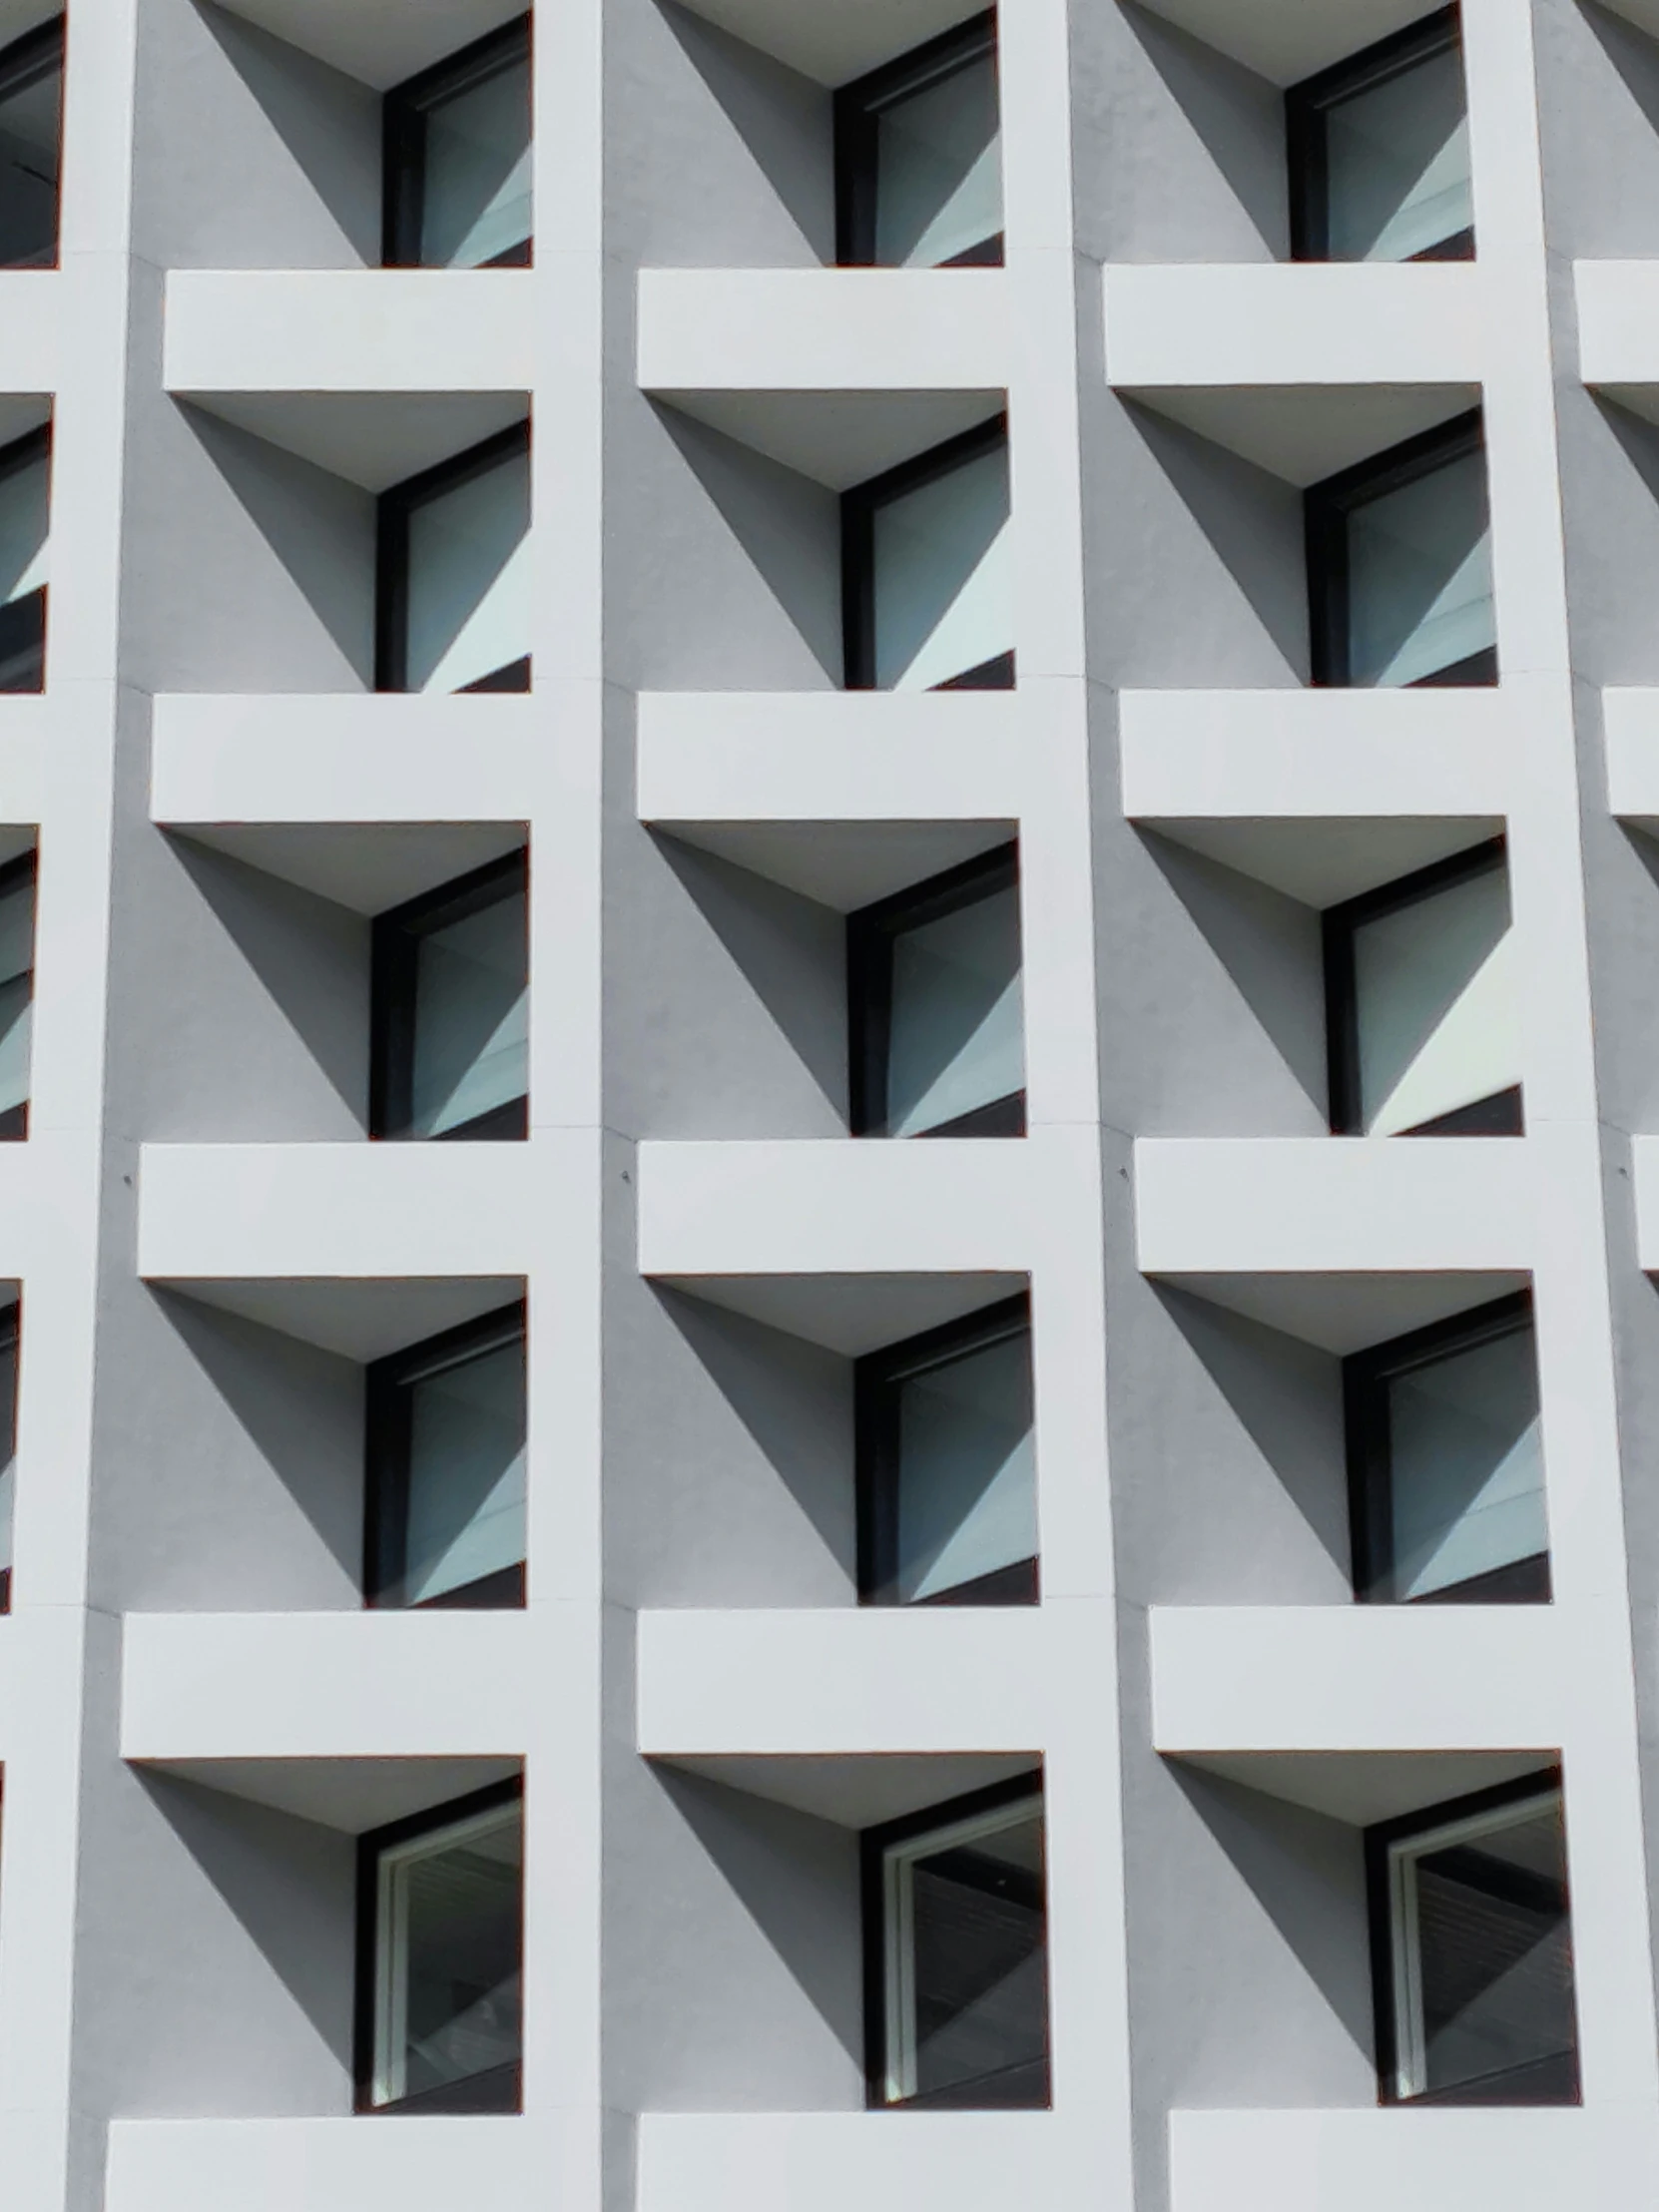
938	169
966	1505
17	959
476	202
25	485
31	101
942	580
464	1499
956	1037
1420	577
1398	164
467	620
472	1018
10	1344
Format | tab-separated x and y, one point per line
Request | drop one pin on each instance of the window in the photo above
1399	564
25	473
1446	1462
31	103
454	578
933	981
947	1483
927	580
457	185
450	1013
956	1954
445	1471
1380	153
440	1937
17	985
10	1349
1472	1943
919	158
1423	1019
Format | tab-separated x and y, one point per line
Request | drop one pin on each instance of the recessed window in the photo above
1380	153
936	1014
441	1958
1446	1462
450	1011
31	105
17	990
947	1479
957	1932
445	1473
1399	564
919	158
11	1315
454	578
1475	1987
927	578
458	185
25	508
1424	1015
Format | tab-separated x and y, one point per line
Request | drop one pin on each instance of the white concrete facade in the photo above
196	1716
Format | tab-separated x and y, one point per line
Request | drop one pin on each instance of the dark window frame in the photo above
23	622
11	1345
1501	1115
1328	509
858	511
387	1443
874	1844
871	932
1366	1375
403	138
859	107
504	2092
876	1381
34	55
1543	1783
14	1122
393	959
394	511
1308	105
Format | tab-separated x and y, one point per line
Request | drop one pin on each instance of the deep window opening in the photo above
919	158
25	541
31	124
458	191
453	584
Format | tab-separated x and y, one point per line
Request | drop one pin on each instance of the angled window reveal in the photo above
919	157
926	571
31	105
1447	1496
936	1004
454	576
1472	1951
1380	152
11	1315
17	990
458	156
948	1489
956	1955
25	515
1399	564
1424	1015
440	1959
445	1472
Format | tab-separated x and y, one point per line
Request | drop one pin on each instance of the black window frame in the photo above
1308	105
871	932
1501	1115
877	1380
1366	1375
403	141
387	1442
858	517
1329	506
859	107
874	1844
23	622
34	55
14	1121
394	510
392	994
1541	1783
505	2094
11	1346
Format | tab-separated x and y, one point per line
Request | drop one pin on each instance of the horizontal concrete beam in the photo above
822	2163
431	2164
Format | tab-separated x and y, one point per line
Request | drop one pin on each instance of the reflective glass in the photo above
29	125
967	1502
476	196
471	1023
956	1038
24	522
9	1342
1420	579
450	1950
464	1514
1465	1466
944	579
1398	164
469	578
1435	1005
938	169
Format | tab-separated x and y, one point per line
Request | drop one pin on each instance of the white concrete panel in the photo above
318	2165
821	2162
1644	1168
1618	330
1287	40
30	300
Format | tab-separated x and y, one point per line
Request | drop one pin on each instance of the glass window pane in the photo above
476	198
17	951
466	1508
1466	1473
469	578
22	529
1398	161
943	581
1420	565
471	1026
938	170
957	1039
967	1502
29	169
970	2023
8	1432
1435	1005
451	1948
